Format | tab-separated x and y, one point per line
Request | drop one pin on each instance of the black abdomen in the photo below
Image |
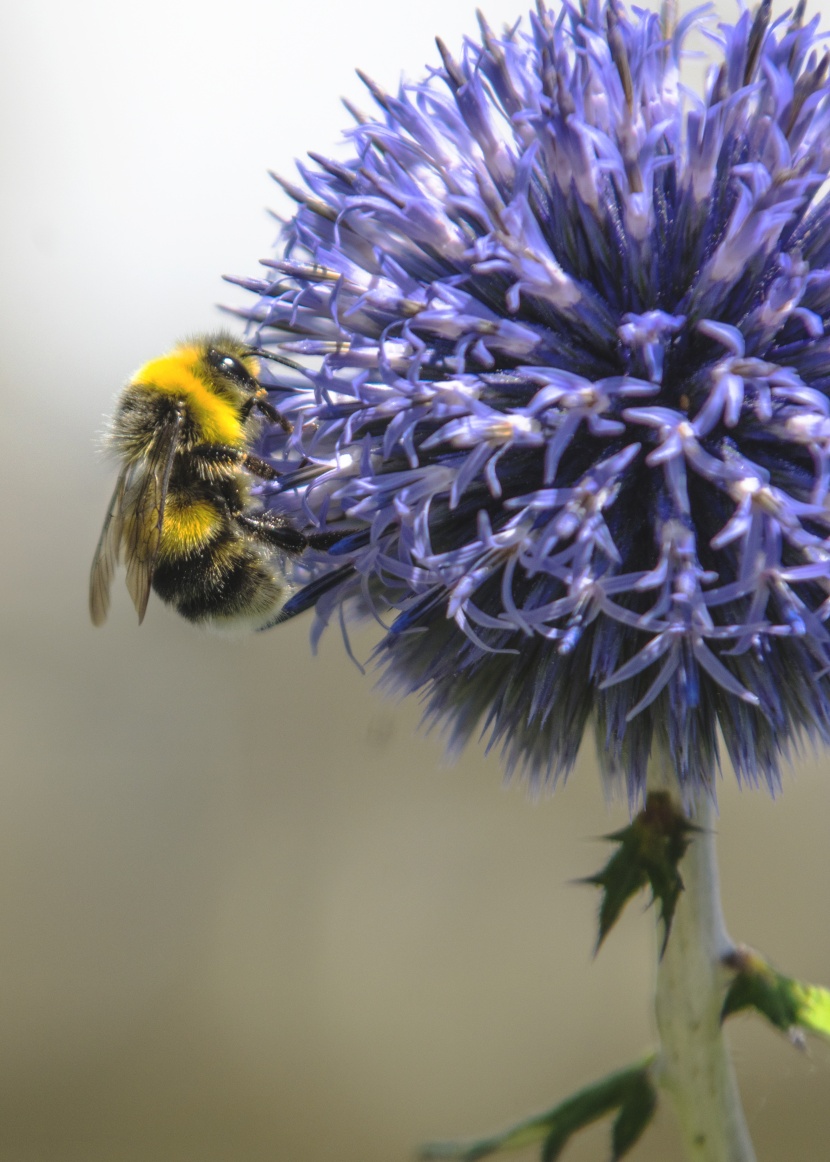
229	578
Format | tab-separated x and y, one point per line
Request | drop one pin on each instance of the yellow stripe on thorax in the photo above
187	527
216	418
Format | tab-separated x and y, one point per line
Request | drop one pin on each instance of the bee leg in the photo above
275	529
225	454
324	541
267	409
263	405
278	530
259	467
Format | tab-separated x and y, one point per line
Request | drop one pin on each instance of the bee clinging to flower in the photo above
182	512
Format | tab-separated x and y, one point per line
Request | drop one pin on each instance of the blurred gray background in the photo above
246	910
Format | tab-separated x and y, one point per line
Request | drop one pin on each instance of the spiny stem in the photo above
695	1068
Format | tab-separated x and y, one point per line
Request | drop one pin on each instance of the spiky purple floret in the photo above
562	370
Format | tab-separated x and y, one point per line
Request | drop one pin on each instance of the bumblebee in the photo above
182	512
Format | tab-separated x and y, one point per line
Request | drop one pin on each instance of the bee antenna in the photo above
286	362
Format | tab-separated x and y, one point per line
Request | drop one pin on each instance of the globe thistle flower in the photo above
553	343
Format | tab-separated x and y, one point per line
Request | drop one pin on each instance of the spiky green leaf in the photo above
630	1091
649	853
788	1004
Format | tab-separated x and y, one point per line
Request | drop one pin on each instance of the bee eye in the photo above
231	367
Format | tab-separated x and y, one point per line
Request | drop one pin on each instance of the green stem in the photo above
694	1066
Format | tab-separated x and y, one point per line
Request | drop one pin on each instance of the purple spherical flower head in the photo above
561	373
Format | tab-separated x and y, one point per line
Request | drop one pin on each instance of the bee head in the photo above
231	365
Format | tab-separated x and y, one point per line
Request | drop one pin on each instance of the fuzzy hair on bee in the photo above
182	515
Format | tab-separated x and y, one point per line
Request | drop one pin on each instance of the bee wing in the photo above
108	551
145	508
